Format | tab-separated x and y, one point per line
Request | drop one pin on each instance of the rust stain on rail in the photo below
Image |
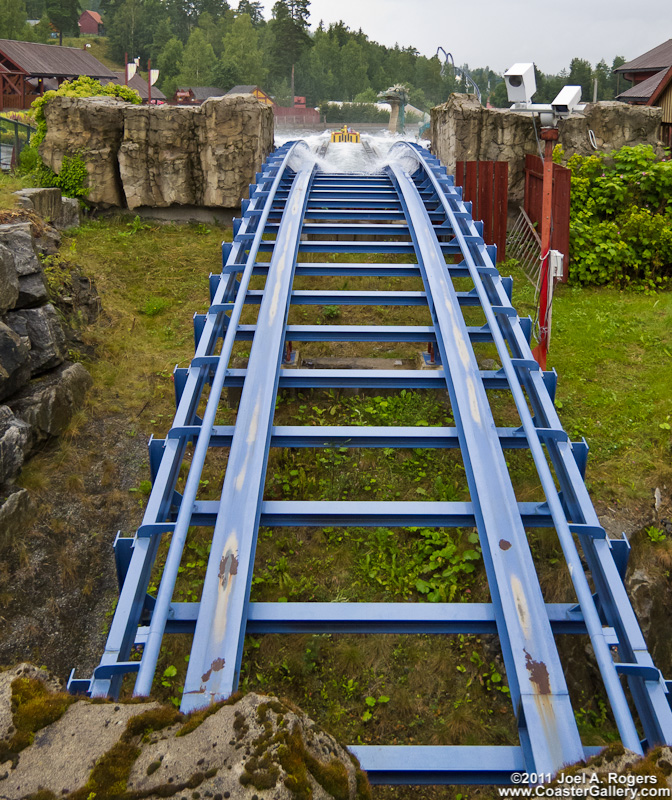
216	666
538	674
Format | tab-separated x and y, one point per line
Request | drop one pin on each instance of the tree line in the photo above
211	43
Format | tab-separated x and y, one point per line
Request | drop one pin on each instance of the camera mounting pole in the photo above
549	136
520	88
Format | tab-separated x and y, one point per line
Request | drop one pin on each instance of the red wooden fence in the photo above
534	175
486	185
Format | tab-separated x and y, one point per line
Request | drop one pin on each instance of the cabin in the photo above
90	24
260	94
195	95
651	74
28	69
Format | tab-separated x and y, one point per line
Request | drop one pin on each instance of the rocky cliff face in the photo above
160	156
39	389
462	130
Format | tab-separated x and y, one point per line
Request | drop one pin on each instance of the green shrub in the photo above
621	220
72	180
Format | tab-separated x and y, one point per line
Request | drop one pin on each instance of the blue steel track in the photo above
412	207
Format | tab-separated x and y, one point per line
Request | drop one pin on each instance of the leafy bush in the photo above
71	180
621	220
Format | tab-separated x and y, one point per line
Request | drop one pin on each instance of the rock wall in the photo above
463	130
39	389
160	156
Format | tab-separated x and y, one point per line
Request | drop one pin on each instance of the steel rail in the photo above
152	647
133	592
647	684
217	647
538	690
616	694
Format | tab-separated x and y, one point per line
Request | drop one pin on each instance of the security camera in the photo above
567	100
520	83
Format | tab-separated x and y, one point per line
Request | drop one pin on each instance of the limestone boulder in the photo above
614	125
41	329
236	136
257	748
158	158
9	280
48	241
92	128
14	362
69	216
23	670
48	403
48	203
17	511
18	239
463	130
17	236
14	438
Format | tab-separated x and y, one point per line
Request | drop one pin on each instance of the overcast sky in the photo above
498	33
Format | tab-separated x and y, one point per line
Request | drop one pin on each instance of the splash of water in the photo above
349	158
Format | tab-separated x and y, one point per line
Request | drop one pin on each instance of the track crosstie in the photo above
411	207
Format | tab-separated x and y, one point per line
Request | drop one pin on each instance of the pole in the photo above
149	81
126	69
292	85
549	135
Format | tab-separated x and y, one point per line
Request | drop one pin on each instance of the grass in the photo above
613	353
98	49
10	183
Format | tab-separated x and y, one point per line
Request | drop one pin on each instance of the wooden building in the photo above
25	67
651	74
260	94
90	23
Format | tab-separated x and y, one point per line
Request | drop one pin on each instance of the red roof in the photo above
95	16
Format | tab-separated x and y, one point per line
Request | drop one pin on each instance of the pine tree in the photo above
198	61
163	33
12	18
291	39
253	9
581	74
242	61
64	16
